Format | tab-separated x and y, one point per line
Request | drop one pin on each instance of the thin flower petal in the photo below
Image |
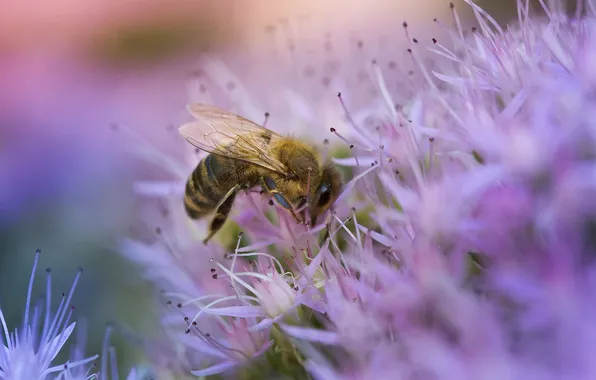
313	335
215	369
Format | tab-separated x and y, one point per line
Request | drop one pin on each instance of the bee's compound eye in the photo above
282	201
325	195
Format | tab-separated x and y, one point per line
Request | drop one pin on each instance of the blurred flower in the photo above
298	61
29	351
109	367
238	347
108	27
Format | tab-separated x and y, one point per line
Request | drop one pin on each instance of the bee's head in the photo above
323	194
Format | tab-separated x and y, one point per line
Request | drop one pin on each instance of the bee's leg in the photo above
269	185
222	210
301	209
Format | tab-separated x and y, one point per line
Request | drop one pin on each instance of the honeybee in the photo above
244	155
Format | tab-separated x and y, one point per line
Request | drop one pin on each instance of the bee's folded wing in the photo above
226	134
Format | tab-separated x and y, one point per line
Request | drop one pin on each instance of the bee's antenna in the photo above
308	181
305	206
266	119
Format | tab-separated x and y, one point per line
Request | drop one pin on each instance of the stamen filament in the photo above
240	281
206	308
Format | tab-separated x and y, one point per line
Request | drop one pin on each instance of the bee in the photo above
243	155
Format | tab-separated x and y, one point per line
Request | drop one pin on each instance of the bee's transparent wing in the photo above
226	134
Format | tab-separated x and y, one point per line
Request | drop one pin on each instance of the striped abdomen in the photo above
203	191
211	180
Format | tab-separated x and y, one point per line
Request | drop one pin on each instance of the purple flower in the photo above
29	351
237	347
229	329
186	274
515	116
463	245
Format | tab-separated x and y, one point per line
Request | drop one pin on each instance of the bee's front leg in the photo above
269	187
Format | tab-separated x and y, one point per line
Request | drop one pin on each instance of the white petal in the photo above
49	351
215	369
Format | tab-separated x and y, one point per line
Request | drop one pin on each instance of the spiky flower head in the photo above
29	351
462	246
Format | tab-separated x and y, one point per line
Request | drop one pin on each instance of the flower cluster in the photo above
462	245
29	351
